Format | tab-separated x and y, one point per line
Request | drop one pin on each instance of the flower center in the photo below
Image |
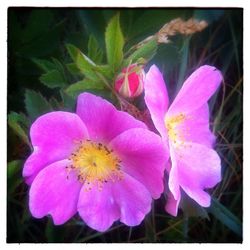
174	133
95	164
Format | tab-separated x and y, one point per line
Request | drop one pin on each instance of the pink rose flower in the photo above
100	162
184	127
129	83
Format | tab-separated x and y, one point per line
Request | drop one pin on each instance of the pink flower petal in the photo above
133	199
143	157
53	137
173	181
199	167
53	193
134	80
196	90
172	205
156	98
195	128
102	119
197	194
97	208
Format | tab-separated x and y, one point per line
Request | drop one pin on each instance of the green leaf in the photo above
68	101
73	69
53	79
19	117
114	43
191	208
94	52
226	217
44	65
105	70
14	179
54	103
92	22
13	168
35	104
146	51
83	63
81	86
58	65
17	122
184	62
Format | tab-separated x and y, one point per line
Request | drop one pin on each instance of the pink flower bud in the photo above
129	83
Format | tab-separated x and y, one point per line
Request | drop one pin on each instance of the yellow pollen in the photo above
94	163
174	132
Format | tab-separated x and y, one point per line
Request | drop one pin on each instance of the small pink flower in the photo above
129	83
184	127
99	162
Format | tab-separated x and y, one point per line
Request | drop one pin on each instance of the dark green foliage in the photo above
76	88
146	52
55	54
53	79
19	124
35	104
114	43
224	215
94	52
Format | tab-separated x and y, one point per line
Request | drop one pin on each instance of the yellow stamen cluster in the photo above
94	163
174	133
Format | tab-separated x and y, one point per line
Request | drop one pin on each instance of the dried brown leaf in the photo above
179	26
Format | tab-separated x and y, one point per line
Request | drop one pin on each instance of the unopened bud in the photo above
129	83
